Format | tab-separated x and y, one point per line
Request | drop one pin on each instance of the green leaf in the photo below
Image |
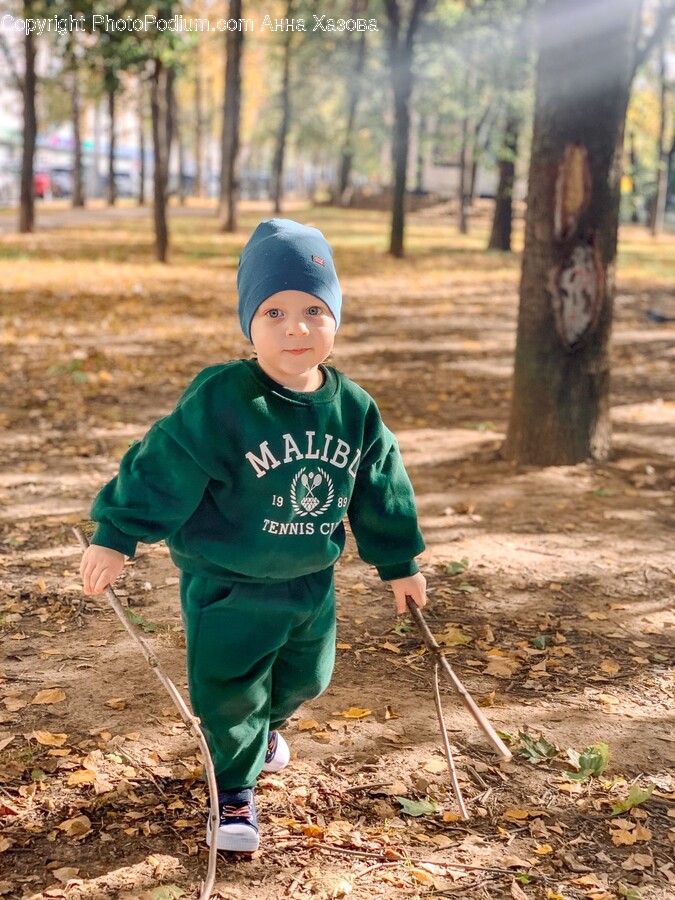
457	566
507	736
38	775
468	588
403	628
536	750
167	892
540	641
635	797
603	492
135	619
589	763
522	877
630	893
417	807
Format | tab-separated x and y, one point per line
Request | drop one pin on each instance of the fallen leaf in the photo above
487	700
117	703
516	815
48	739
50	695
453	636
14	704
82	776
417	807
609	666
354	712
637	862
78	827
65	873
597	616
391	647
308	724
502	667
543	849
435	766
5	844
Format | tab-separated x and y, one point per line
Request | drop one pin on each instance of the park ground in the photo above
551	589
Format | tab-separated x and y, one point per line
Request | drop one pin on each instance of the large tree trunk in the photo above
75	113
401	61
229	171
560	406
500	236
280	149
658	211
112	187
27	210
161	140
354	88
464	168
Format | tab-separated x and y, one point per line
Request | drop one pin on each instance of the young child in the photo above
248	481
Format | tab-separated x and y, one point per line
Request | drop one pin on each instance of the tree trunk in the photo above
401	60
199	124
633	162
75	112
354	88
178	125
421	138
464	171
658	211
280	149
112	187
229	171
141	141
500	236
27	210
560	405
161	132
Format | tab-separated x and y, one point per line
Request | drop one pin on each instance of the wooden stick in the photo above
446	747
191	721
467	699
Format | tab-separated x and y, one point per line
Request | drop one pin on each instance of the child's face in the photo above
292	333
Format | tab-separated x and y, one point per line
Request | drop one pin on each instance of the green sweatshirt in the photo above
249	481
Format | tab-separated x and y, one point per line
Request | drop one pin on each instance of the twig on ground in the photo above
467	699
446	746
191	721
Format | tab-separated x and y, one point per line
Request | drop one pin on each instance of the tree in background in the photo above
401	40
560	405
229	169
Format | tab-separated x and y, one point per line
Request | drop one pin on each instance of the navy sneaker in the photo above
277	755
238	829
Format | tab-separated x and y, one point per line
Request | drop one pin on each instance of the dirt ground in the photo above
551	589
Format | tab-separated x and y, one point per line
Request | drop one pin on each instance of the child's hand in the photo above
414	586
100	567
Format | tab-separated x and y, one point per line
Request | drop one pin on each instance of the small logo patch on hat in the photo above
317	259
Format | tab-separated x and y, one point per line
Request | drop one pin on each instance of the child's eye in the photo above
273	313
314	310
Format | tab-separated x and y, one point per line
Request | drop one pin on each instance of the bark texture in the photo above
27	208
560	406
229	173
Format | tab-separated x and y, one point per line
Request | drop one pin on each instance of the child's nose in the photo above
297	327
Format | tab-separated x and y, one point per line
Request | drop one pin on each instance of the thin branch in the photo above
446	746
666	13
191	721
466	697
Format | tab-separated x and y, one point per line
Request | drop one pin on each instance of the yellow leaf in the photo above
313	831
441	841
435	766
610	666
597	616
554	895
487	700
344	646
555	586
307	724
501	668
50	695
14	704
391	647
450	817
82	776
78	827
48	739
42	585
422	876
642	834
608	699
354	713
638	862
453	637
543	849
117	703
517	814
390	713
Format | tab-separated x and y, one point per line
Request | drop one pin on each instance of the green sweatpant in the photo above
255	653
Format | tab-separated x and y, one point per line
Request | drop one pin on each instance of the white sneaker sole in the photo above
281	757
235	838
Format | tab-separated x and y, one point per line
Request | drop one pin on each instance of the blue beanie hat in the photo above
282	255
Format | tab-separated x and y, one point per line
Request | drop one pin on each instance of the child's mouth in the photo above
298	352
